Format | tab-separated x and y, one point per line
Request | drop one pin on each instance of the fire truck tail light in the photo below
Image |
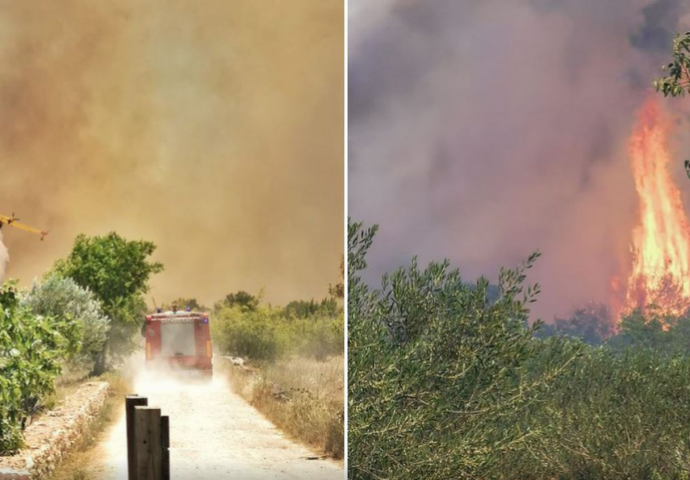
208	348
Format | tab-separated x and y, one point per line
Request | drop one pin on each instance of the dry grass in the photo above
303	397
66	384
75	466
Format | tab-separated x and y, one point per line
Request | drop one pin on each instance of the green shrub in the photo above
445	384
318	337
327	307
62	299
247	333
239	299
32	348
610	414
117	271
435	370
268	333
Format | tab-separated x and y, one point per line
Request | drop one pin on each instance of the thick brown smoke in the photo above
483	130
212	128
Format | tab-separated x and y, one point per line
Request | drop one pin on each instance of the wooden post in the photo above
147	442
165	446
132	401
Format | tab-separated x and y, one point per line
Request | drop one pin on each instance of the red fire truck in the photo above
179	341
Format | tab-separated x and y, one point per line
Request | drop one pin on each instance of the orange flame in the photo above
661	242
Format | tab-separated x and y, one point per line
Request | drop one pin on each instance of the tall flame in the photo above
661	242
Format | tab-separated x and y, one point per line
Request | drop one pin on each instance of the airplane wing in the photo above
13	222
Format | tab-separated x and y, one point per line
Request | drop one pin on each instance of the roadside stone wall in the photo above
52	436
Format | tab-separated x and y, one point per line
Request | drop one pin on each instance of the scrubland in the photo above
448	380
293	367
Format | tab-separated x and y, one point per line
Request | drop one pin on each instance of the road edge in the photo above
51	438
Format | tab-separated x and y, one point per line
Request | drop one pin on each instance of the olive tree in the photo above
63	299
436	368
677	82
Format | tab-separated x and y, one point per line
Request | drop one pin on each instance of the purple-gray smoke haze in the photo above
483	130
212	128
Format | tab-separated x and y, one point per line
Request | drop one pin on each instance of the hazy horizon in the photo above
214	130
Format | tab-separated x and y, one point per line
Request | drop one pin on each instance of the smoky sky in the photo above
213	129
481	131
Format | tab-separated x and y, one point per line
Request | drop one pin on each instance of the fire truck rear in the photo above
179	342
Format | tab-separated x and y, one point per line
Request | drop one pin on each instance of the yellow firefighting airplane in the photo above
14	222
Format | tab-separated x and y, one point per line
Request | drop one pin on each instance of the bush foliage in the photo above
117	271
92	301
268	333
62	299
447	381
32	348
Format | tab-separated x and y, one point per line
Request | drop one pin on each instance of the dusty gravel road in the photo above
214	435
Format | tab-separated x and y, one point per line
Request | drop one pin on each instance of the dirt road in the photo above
214	435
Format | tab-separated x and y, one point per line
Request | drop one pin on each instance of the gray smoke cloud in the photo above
212	128
483	130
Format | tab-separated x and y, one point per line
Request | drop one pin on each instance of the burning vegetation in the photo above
660	271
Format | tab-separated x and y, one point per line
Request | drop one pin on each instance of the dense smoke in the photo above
483	130
213	129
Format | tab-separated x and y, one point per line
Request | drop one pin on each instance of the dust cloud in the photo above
483	130
212	128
